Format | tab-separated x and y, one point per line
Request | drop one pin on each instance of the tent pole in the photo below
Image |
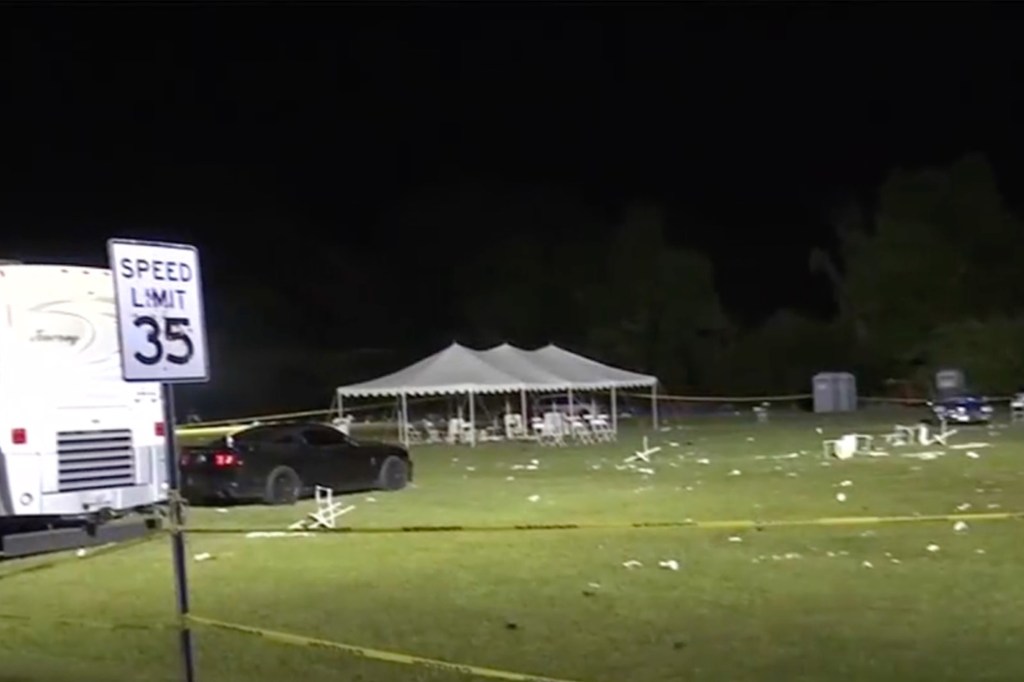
472	419
522	408
654	406
615	413
405	420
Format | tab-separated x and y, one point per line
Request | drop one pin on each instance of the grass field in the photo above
793	604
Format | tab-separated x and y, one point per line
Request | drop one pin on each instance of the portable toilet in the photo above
834	392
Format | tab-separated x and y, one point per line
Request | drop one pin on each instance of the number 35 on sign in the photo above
160	317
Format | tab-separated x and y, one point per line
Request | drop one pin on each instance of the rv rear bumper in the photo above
28	503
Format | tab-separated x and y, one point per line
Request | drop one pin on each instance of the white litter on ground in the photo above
735	538
970	446
735	472
963	507
222	510
632	563
841	497
867	564
670	564
845	484
972	454
533	498
279	534
205	556
703	460
959	527
927	455
933	547
81	552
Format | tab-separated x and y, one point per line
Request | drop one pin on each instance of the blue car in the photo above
961	407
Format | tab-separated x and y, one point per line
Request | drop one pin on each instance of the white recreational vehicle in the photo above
76	441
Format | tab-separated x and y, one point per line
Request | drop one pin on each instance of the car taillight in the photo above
158	428
225	459
19	436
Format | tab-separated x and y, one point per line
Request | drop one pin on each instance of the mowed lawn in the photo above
793	603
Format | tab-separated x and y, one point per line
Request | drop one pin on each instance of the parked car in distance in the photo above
961	407
281	463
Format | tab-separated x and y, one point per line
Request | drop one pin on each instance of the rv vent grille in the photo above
88	460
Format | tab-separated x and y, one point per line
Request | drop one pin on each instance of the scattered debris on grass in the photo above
867	564
845	484
735	538
963	507
970	446
972	454
703	460
841	497
221	510
278	534
927	455
959	527
933	548
533	498
371	499
670	564
735	472
204	556
631	564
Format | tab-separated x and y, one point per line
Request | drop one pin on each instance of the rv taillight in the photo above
225	459
19	436
158	428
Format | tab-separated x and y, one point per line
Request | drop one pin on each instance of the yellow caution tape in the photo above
700	525
374	654
723	398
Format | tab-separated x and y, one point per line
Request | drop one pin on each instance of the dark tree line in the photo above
927	274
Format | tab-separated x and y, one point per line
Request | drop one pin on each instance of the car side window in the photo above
324	437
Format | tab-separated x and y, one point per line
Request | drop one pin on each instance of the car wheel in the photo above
394	474
283	487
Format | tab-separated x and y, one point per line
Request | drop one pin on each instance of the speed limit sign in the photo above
160	318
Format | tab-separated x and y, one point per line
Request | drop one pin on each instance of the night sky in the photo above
300	146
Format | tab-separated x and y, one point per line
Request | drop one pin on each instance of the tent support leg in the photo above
654	406
615	413
522	409
404	420
472	419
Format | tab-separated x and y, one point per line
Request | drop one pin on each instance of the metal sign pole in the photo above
177	533
158	294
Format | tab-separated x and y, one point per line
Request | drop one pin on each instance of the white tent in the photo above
587	374
458	370
454	370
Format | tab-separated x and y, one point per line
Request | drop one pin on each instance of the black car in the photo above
278	464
